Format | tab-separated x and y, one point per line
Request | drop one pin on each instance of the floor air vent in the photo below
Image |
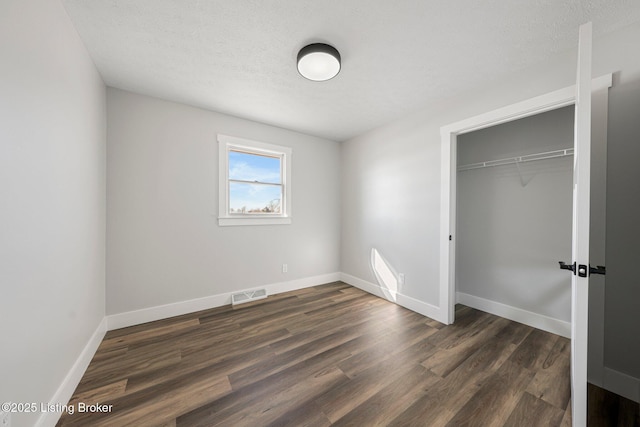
248	296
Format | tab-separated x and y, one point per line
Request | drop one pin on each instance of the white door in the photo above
580	247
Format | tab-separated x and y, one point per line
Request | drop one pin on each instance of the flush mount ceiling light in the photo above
318	62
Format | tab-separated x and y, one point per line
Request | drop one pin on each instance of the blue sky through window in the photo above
247	197
252	167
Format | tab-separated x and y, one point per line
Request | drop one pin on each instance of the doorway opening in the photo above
449	160
514	202
449	135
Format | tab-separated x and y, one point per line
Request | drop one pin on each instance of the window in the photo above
255	187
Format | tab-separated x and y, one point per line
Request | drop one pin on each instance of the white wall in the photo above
52	200
514	224
389	206
391	184
164	244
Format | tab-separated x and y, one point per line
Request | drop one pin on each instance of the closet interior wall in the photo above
514	220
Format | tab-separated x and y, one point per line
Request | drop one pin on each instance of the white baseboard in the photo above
150	314
622	384
71	381
405	301
539	321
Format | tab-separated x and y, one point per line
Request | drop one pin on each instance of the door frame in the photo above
448	164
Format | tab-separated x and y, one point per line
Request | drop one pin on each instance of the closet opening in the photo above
514	219
448	219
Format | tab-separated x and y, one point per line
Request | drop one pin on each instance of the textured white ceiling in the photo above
238	56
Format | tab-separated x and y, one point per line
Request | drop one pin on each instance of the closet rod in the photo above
519	159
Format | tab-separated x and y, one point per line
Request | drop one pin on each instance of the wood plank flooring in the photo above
607	409
328	355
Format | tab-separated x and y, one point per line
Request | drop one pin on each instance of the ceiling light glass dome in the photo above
318	62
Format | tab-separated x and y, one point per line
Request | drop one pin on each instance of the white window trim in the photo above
227	143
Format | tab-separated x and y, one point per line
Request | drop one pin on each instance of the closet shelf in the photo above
519	159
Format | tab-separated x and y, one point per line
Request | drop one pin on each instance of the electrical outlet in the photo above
401	279
285	268
5	419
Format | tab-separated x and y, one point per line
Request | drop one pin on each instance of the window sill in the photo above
235	221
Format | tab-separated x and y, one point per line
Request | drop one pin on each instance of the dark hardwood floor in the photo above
607	409
328	355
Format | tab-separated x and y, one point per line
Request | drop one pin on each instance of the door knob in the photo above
582	270
564	266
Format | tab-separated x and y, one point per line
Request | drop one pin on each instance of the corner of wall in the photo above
73	377
402	300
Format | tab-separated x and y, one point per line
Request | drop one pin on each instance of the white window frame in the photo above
228	143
